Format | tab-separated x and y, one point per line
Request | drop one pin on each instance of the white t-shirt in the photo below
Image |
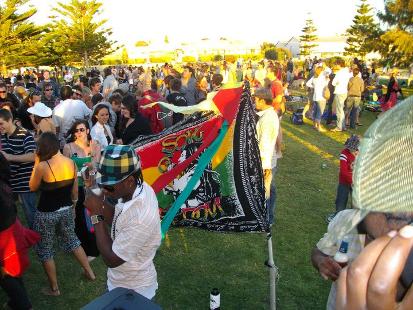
340	81
67	112
136	235
98	134
318	84
330	243
267	132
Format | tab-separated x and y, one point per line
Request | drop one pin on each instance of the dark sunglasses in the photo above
80	129
109	188
3	92
48	89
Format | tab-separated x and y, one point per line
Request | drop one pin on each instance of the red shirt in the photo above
346	167
150	96
15	242
276	90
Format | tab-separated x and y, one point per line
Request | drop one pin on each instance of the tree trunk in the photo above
85	62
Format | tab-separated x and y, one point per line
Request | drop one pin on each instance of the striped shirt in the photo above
18	143
136	235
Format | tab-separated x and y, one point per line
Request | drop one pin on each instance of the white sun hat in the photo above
40	109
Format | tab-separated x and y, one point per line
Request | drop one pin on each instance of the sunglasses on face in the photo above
80	129
48	89
2	91
109	188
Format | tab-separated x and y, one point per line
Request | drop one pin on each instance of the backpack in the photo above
297	117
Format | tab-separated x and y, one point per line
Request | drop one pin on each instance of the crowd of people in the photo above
54	138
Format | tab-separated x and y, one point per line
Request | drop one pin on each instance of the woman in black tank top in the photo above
55	176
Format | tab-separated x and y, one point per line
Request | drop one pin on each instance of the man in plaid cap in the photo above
135	232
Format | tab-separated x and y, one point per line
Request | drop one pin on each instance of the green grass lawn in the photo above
191	262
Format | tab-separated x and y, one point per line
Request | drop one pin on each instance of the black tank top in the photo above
55	195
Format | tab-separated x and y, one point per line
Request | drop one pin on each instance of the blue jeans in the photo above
29	206
353	107
318	111
271	201
343	190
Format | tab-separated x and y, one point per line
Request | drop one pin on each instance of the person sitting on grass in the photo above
345	179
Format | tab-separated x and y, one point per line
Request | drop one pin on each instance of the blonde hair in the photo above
318	71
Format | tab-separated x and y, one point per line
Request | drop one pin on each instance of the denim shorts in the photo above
59	224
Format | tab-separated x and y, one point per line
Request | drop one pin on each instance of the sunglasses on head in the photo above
80	129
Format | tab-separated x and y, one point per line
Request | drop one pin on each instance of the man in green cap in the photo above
129	247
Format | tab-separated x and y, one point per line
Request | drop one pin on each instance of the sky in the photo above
191	20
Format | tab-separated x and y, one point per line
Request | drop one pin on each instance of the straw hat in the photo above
383	170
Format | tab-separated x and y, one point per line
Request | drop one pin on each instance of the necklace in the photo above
117	216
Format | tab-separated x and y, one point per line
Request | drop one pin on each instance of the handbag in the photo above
326	93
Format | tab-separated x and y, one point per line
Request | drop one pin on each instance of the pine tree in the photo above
76	28
19	37
397	41
362	34
308	38
125	56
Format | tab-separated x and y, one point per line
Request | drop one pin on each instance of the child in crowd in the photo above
345	182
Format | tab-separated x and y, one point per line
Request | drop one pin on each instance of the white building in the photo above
205	46
293	45
329	47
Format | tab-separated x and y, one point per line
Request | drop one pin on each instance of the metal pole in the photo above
273	273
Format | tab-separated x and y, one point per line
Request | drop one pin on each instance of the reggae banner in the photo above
208	167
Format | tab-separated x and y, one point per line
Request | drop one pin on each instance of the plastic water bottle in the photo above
215	299
341	256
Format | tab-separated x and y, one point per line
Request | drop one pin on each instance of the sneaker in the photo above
330	217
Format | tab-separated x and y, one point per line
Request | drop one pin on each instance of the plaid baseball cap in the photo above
353	143
383	170
117	163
